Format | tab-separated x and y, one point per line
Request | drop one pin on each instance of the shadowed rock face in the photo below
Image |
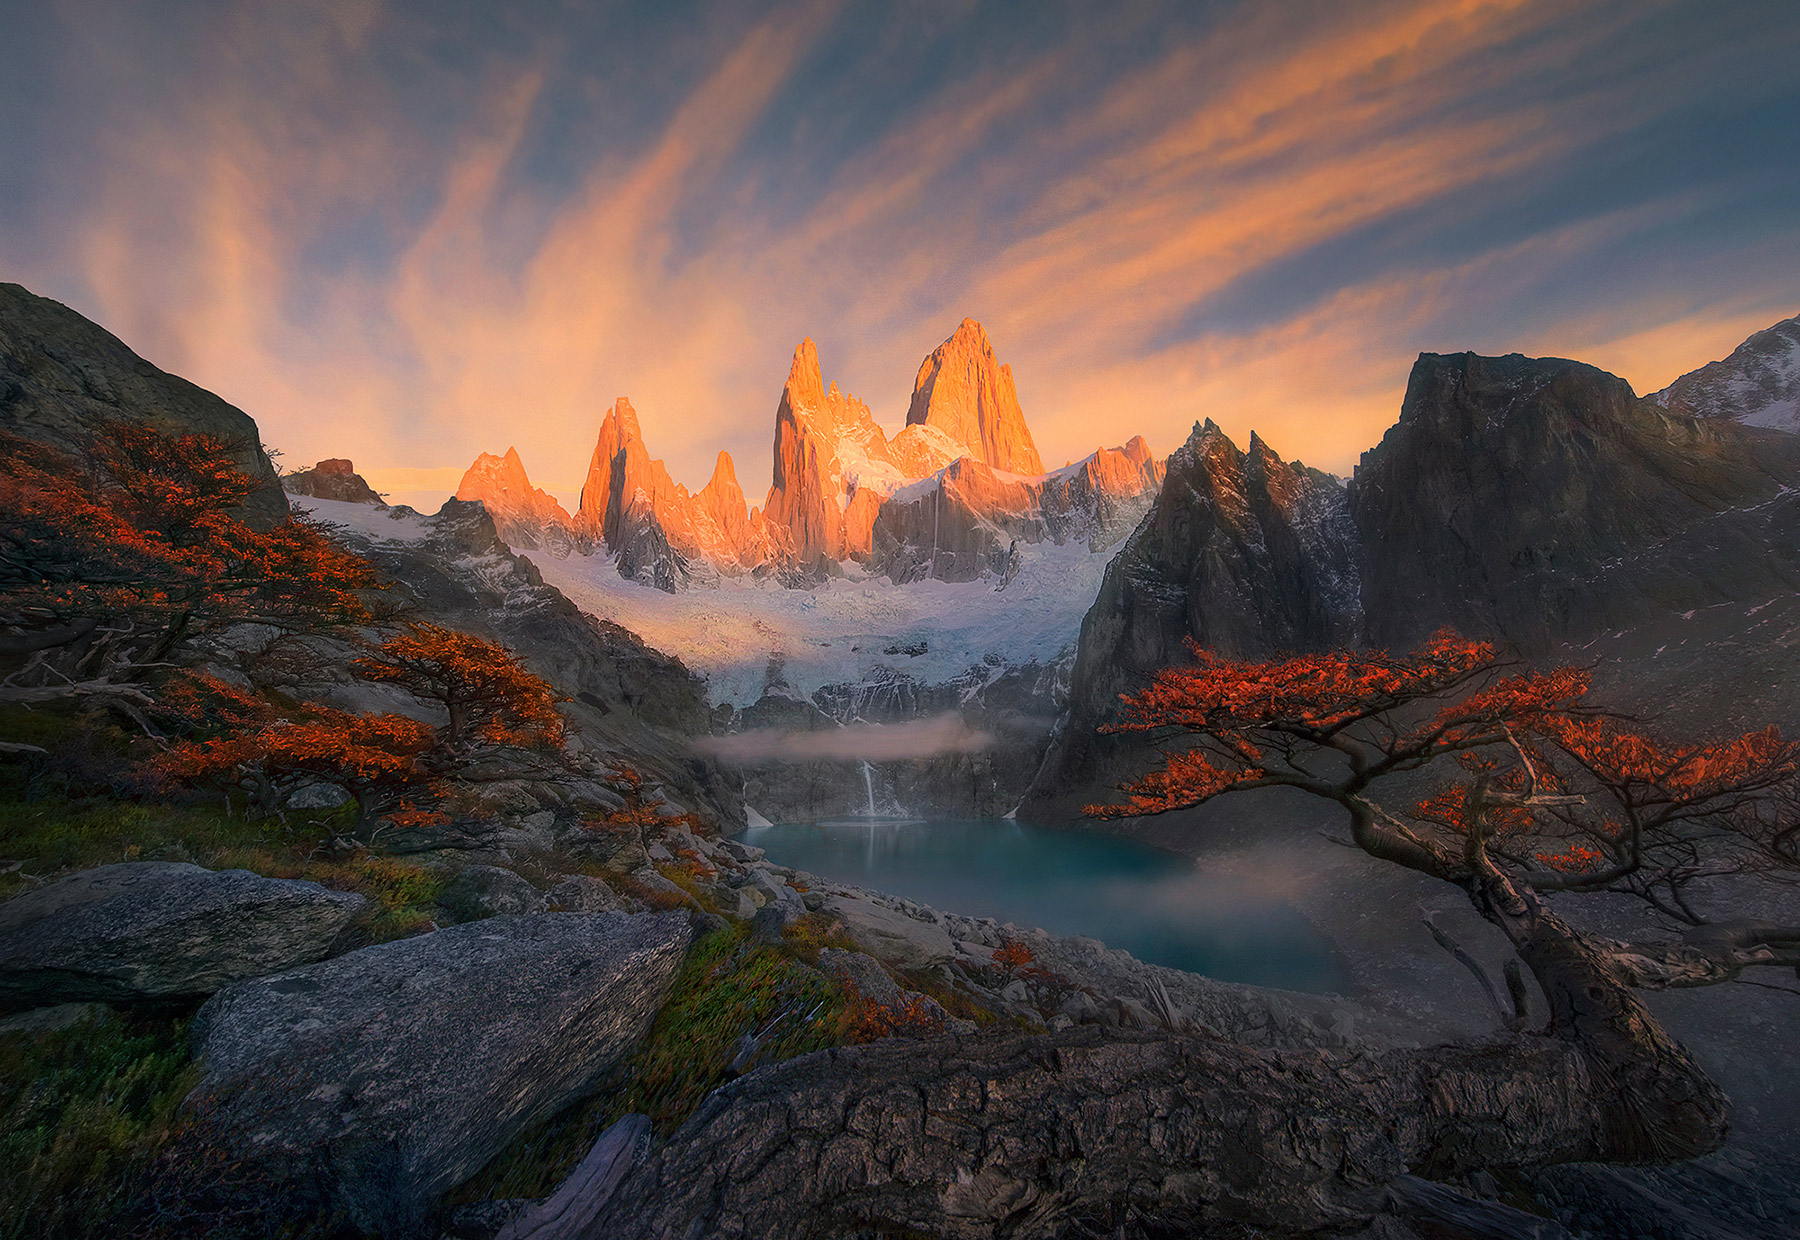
1512	488
161	930
64	380
332	479
384	1078
1243	552
1535	501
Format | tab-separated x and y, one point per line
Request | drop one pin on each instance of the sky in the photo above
406	233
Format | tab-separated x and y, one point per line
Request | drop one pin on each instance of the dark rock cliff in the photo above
1513	489
1535	501
64	380
1243	552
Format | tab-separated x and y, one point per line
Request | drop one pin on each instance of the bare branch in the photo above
1472	965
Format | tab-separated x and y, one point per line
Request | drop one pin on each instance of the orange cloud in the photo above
509	318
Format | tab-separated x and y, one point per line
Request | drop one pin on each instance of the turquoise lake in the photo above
1160	908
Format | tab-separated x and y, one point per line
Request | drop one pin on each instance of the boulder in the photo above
891	936
317	796
480	891
55	1019
578	893
161	930
376	1082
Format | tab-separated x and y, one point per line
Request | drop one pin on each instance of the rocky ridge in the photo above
967	520
334	479
964	391
527	517
1758	385
835	474
1511	489
1535	501
1241	551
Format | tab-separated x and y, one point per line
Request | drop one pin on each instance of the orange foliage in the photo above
642	808
375	757
486	691
865	1020
1013	954
153	536
1547	778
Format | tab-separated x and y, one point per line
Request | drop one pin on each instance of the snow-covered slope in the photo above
748	637
1758	385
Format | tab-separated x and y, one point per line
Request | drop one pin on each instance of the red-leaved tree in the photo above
107	565
240	740
1530	790
487	693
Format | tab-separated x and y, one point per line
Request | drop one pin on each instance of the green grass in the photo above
82	1113
726	988
55	836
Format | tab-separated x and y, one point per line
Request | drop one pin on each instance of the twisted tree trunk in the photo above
1657	1101
1092	1132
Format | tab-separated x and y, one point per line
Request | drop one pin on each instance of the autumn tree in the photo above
1529	790
238	739
486	692
107	565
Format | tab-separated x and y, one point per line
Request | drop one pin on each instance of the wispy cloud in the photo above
407	237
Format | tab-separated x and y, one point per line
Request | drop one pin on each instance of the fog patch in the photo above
854	742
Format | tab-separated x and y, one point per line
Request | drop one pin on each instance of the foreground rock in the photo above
374	1083
488	891
1031	1136
161	930
1731	1195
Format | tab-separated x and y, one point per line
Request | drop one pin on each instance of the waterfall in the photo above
869	785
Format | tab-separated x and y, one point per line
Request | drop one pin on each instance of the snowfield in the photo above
749	637
377	524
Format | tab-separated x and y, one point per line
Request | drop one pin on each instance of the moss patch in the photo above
728	988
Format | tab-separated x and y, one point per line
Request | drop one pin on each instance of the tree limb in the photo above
1472	965
82	688
1706	956
47	639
